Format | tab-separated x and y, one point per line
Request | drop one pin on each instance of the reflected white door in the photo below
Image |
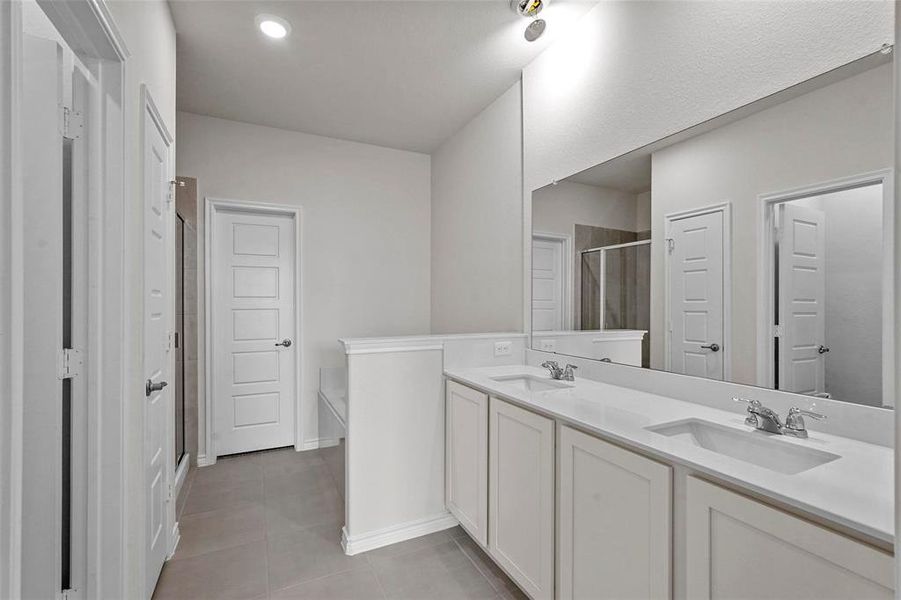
802	294
696	316
157	402
547	284
253	338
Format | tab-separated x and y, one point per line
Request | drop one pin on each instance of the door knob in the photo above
714	347
822	349
151	387
285	342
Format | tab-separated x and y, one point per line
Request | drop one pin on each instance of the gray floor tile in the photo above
205	497
234	573
220	529
353	585
297	483
287	460
306	554
311	508
493	573
230	470
436	573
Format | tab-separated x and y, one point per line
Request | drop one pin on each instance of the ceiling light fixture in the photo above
274	27
528	8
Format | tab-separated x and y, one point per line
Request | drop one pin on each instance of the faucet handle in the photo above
753	405
549	364
794	422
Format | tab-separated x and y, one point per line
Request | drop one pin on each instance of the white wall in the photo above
854	259
149	34
365	229
477	265
630	73
558	208
841	130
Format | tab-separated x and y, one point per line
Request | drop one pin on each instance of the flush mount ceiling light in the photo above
528	8
274	27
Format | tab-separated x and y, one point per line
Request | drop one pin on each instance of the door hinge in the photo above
778	331
71	123
670	245
69	363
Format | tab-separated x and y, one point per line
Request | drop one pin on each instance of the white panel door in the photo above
741	548
254	388
521	496
466	458
696	295
802	296
158	412
614	522
547	284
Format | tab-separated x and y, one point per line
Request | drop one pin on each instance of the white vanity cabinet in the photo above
614	518
466	459
521	496
740	548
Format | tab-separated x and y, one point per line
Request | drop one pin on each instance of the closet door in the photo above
521	496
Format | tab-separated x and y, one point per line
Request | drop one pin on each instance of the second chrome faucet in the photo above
766	419
558	373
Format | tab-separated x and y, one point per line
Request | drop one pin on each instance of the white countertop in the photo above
855	491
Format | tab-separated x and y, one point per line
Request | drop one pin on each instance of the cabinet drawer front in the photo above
738	547
466	457
615	521
521	496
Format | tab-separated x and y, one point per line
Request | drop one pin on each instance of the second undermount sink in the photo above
753	447
531	383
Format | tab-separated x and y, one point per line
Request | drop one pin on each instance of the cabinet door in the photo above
521	496
741	548
614	516
466	458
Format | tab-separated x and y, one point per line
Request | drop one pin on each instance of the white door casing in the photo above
548	281
696	286
802	294
158	407
253	271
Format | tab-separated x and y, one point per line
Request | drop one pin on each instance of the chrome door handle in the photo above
714	347
822	350
285	342
151	387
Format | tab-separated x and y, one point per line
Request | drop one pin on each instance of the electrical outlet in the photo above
503	348
548	345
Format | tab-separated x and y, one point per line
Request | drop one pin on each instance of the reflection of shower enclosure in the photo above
616	288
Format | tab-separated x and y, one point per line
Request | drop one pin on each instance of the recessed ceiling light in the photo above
272	26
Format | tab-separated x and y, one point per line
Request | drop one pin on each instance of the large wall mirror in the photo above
756	248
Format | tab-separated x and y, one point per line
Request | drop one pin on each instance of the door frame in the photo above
212	208
766	288
89	27
566	241
726	209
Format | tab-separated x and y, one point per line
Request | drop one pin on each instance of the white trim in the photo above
320	442
181	474
766	297
396	533
569	307
726	209
600	335
212	206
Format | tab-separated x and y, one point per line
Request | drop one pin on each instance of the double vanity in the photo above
584	489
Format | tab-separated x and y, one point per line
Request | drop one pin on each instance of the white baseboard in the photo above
397	533
318	443
176	537
203	461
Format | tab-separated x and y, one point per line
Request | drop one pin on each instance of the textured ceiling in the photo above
399	74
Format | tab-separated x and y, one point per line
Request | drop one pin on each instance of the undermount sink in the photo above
531	383
753	447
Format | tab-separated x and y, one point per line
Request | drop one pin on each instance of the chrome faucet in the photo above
766	419
558	373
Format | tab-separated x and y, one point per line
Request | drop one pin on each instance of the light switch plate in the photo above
503	348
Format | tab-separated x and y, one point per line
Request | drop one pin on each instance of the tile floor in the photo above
268	525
